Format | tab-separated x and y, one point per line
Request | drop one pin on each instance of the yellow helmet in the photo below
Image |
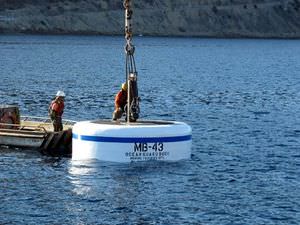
124	86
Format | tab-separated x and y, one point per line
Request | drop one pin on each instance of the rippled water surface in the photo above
241	97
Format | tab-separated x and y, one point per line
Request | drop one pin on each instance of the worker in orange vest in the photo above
56	109
120	102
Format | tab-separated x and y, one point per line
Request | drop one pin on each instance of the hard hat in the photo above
124	86
60	94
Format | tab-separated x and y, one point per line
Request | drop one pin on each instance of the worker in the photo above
56	109
120	102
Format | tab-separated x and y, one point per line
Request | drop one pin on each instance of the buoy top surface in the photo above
138	129
139	123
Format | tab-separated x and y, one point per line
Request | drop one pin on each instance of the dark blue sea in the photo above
241	97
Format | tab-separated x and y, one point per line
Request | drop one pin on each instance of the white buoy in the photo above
134	142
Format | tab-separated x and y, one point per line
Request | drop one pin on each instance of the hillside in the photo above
204	18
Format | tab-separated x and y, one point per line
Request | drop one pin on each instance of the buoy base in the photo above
134	142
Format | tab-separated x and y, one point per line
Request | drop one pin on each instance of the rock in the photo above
202	18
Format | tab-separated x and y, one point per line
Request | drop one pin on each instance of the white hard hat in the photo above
60	94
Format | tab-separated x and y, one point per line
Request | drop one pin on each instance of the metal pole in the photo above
128	101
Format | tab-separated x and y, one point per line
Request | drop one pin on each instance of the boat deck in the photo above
40	126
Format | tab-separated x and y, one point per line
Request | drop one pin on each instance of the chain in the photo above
129	47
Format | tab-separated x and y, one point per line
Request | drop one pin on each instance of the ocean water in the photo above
241	97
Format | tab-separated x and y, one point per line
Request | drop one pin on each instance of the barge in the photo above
34	133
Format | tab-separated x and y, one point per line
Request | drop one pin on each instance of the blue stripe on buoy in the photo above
133	139
75	136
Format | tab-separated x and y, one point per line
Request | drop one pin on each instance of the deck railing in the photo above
5	127
45	120
39	126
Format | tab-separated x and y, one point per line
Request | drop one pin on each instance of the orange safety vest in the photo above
121	99
57	106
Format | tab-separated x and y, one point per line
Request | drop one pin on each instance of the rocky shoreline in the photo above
197	18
